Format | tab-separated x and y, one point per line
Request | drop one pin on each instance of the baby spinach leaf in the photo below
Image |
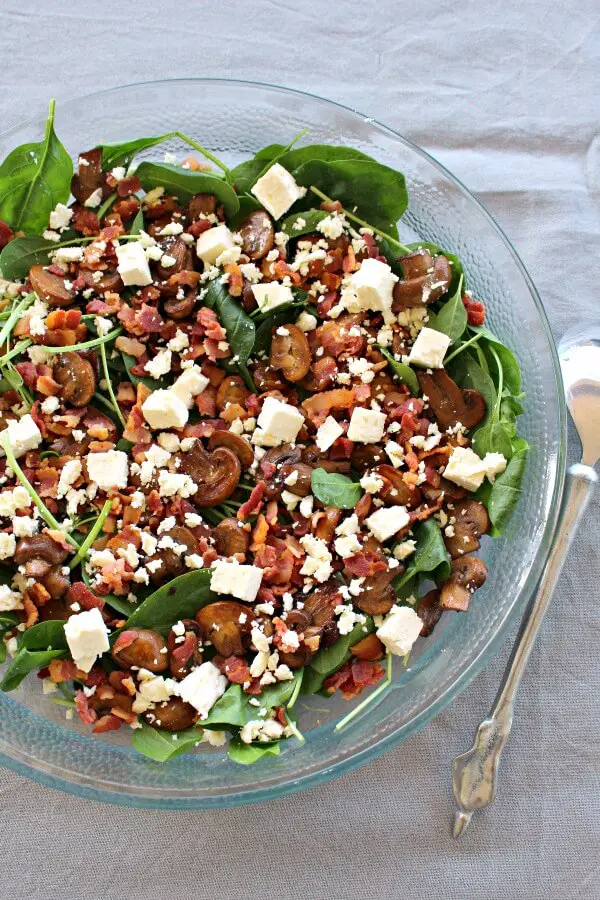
372	190
311	219
184	183
131	361
233	709
138	223
245	174
334	489
247	754
320	152
240	328
404	373
180	598
430	554
162	745
492	438
329	660
21	254
505	491
452	317
38	646
123	152
8	620
33	179
248	204
510	367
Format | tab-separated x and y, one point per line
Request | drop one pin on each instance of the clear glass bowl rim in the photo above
489	650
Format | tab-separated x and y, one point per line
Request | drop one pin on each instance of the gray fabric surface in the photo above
507	96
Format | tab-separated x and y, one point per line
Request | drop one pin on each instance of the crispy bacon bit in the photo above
128	186
475	310
253	504
85	221
236	669
124	640
353	677
62	670
365	563
107	723
318	406
88	716
183	652
80	593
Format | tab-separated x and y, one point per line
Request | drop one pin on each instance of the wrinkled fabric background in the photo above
507	96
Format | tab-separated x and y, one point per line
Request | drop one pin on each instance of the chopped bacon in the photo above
362	392
183	652
425	512
28	372
206	402
318	406
365	564
475	310
31	610
128	186
207	318
236	669
85	221
353	676
199	227
127	208
253	504
205	428
124	640
235	283
62	670
80	593
370	647
214	350
338	336
6	234
107	723
88	716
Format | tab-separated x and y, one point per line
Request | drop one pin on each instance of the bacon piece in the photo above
353	676
199	227
124	640
85	221
207	318
88	716
107	723
183	652
28	372
126	208
205	428
80	593
341	448
253	503
206	402
236	669
475	310
213	351
6	234
62	670
128	186
318	407
365	564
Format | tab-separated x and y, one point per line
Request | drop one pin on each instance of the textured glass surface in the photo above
233	119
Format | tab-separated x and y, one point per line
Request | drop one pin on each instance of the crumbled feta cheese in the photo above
387	521
94	200
202	688
132	264
9	599
23	435
395	453
371	483
429	349
306	322
404	549
87	638
332	226
159	365
8	545
328	433
65	255
347	546
495	464
60	217
163	409
109	469
69	474
171	484
465	468
318	560
366	425
50	405
180	342
306	506
400	629
277	190
261	731
239	581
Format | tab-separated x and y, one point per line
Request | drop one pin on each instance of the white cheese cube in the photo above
8	545
401	628
347	546
465	468
429	349
164	409
23	435
270	295
212	243
278	422
306	322
276	190
202	688
190	383
133	266
9	599
366	425
242	582
495	464
109	469
373	285
387	521
87	637
328	433
395	452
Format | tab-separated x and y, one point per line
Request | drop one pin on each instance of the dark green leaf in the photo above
452	317
152	383
38	646
329	660
240	328
510	367
33	179
247	205
322	152
334	489
403	372
505	491
180	598
247	754
492	438
184	183
161	745
233	709
430	554
311	218
138	223
122	153
21	254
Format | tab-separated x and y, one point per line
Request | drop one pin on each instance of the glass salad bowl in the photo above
233	119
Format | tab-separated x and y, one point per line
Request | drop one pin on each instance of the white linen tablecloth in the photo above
507	96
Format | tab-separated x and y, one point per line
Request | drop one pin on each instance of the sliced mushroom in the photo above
450	403
450	491
377	596
110	280
171	563
181	253
227	625
186	654
424	280
202	205
39	546
327	523
266	378
172	715
258	234
468	573
76	377
429	611
89	175
232	390
290	352
50	287
234	442
321	603
302	486
141	647
395	490
471	522
217	473
272	464
370	647
230	538
56	582
366	456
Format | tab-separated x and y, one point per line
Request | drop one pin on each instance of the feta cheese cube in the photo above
465	468
23	435
404	549
87	638
8	545
277	190
347	546
328	433
164	409
109	469
160	364
270	295
306	322
387	521
400	629
278	423
373	286
242	582
202	688
429	349
189	384
366	425
495	464
395	452
213	242
132	265
9	599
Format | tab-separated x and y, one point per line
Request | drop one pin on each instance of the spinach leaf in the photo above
123	152
247	754
404	373
240	328
430	555
504	493
334	489
184	183
372	190
162	745
131	361
248	204
311	218
329	660
38	646
492	438
33	179
510	367
180	598
233	709
21	254
320	152
138	223
452	317
8	620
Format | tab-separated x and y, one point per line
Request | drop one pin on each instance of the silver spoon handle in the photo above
474	773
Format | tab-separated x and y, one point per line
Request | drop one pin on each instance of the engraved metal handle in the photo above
474	773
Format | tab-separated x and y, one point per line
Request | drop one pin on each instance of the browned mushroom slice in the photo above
429	611
232	390
370	648
172	715
202	205
234	442
110	280
230	538
450	491
300	482
56	582
367	456
172	563
468	573
424	280
50	287
227	625
258	234
76	377
321	603
377	596
39	546
395	490
266	378
181	253
449	402
89	175
290	352
271	465
471	521
141	647
327	523
217	473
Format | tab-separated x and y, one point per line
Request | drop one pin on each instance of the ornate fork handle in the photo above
474	773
